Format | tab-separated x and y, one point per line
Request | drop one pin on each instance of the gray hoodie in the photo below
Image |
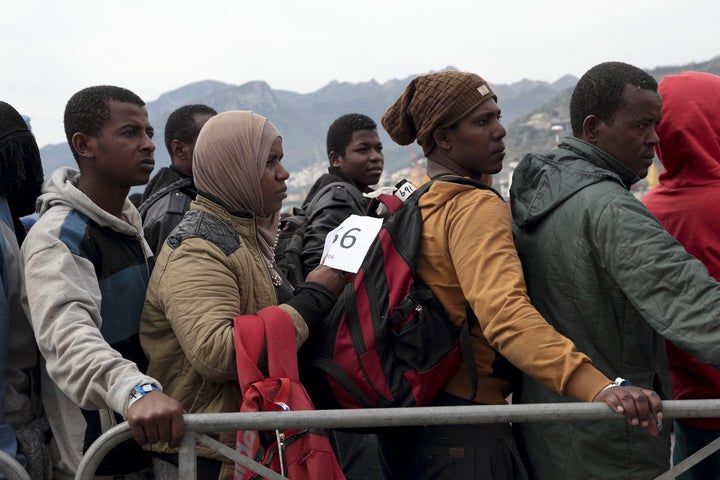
86	273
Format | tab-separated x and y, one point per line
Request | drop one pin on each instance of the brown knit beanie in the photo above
433	101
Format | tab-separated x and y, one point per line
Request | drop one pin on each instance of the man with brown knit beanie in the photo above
468	259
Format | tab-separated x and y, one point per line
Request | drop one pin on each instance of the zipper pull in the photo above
280	437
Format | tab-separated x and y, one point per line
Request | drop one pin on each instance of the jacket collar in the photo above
600	158
242	222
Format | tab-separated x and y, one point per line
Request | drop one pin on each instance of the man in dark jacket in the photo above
168	195
356	162
602	270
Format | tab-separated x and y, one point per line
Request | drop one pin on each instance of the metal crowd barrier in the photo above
11	468
386	417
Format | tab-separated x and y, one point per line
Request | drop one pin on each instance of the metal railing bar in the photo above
390	417
187	458
455	415
100	447
240	458
11	468
691	461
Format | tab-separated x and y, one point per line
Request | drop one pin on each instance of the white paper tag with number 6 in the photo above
346	245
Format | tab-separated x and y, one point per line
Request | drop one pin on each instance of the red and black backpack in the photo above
388	341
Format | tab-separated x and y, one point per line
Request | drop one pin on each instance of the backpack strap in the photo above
468	181
391	202
249	337
470	319
272	330
280	342
466	349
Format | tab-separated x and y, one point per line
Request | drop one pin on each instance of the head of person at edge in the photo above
462	136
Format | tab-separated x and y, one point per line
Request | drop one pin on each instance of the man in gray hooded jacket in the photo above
605	273
86	272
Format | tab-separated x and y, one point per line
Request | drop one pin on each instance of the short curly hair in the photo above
341	130
88	110
181	124
600	90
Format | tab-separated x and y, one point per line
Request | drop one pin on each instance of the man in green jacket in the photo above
605	273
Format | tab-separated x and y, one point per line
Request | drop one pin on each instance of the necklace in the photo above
274	276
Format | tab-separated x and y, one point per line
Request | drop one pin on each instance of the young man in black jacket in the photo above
356	162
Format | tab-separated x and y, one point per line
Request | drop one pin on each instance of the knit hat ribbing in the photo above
437	100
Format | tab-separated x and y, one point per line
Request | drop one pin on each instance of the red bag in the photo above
297	454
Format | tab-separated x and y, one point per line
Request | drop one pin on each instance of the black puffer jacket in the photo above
327	211
170	193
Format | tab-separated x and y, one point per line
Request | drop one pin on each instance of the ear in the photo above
591	129
335	159
178	149
83	144
442	138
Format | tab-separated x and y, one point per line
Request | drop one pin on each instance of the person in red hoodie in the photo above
685	201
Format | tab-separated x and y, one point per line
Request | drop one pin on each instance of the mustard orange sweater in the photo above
467	256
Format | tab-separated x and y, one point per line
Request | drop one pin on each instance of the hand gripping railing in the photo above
385	417
11	468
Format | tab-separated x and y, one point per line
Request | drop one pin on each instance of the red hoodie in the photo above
686	202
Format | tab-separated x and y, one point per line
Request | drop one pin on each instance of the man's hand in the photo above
639	405
330	278
156	418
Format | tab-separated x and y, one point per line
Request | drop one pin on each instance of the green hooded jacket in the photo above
605	273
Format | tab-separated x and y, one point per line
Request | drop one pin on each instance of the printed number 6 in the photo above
347	240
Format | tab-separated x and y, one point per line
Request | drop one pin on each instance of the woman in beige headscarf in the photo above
218	264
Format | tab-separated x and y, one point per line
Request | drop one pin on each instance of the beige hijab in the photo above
229	159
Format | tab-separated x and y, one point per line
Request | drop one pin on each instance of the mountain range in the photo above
531	109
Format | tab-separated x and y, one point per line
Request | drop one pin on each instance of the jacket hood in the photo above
689	132
61	190
540	183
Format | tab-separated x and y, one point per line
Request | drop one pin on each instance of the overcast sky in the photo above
49	49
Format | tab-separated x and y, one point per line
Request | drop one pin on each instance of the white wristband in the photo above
139	392
619	382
